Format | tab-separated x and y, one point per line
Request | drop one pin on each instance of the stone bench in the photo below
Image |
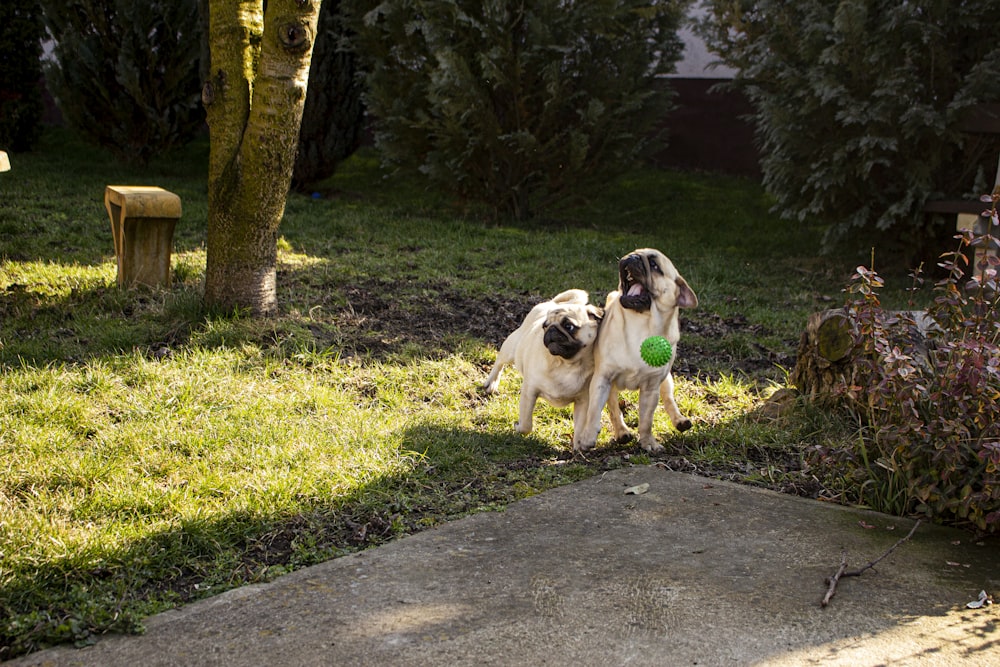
142	224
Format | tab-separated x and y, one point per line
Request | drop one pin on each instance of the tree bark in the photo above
253	100
827	367
824	365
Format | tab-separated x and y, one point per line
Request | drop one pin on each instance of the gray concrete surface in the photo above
692	572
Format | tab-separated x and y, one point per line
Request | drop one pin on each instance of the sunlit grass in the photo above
53	279
152	452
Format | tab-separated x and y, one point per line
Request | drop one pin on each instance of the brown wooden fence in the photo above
709	131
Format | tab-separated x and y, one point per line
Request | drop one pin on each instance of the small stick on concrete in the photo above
830	592
844	572
871	565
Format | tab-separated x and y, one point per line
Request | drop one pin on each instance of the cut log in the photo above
829	357
832	333
824	369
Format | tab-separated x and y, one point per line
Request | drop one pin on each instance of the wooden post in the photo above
979	225
142	225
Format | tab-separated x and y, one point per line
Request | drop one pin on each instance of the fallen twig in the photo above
844	572
832	590
871	565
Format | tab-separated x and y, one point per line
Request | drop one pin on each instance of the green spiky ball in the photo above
656	351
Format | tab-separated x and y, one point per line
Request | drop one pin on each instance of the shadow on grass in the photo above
455	472
372	319
119	588
348	318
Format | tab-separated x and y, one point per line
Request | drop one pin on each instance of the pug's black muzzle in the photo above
633	282
560	343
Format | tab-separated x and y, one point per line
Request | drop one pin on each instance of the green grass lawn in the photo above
152	453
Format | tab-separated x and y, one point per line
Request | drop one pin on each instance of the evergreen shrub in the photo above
20	96
126	73
516	103
858	103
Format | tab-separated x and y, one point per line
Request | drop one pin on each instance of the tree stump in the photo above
825	366
829	359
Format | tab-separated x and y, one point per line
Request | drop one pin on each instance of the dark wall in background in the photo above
709	131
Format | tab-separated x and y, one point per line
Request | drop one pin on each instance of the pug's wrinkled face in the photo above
646	277
569	329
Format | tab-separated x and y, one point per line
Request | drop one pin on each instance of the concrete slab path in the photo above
691	572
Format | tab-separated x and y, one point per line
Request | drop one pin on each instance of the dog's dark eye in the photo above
569	326
654	266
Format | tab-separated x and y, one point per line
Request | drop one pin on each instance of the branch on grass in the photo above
842	571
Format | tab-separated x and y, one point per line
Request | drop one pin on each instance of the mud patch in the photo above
428	317
380	323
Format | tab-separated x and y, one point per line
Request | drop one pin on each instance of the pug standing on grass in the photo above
650	294
554	351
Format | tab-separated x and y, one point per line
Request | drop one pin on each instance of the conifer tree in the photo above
333	118
516	103
20	95
125	73
859	103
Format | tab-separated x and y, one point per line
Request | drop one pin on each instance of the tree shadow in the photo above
338	314
230	550
348	317
455	472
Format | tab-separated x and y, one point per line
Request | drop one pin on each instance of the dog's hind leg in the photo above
620	431
680	422
505	356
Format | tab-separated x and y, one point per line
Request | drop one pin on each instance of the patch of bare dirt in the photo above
759	361
384	322
379	322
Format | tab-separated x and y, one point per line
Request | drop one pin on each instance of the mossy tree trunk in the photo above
254	99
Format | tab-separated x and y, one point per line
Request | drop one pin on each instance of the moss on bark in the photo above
254	99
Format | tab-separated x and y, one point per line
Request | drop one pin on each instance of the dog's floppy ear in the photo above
595	313
686	298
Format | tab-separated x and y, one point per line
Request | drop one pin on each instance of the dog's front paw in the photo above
683	425
651	446
626	436
580	446
523	430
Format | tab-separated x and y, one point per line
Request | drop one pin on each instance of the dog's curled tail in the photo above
578	296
